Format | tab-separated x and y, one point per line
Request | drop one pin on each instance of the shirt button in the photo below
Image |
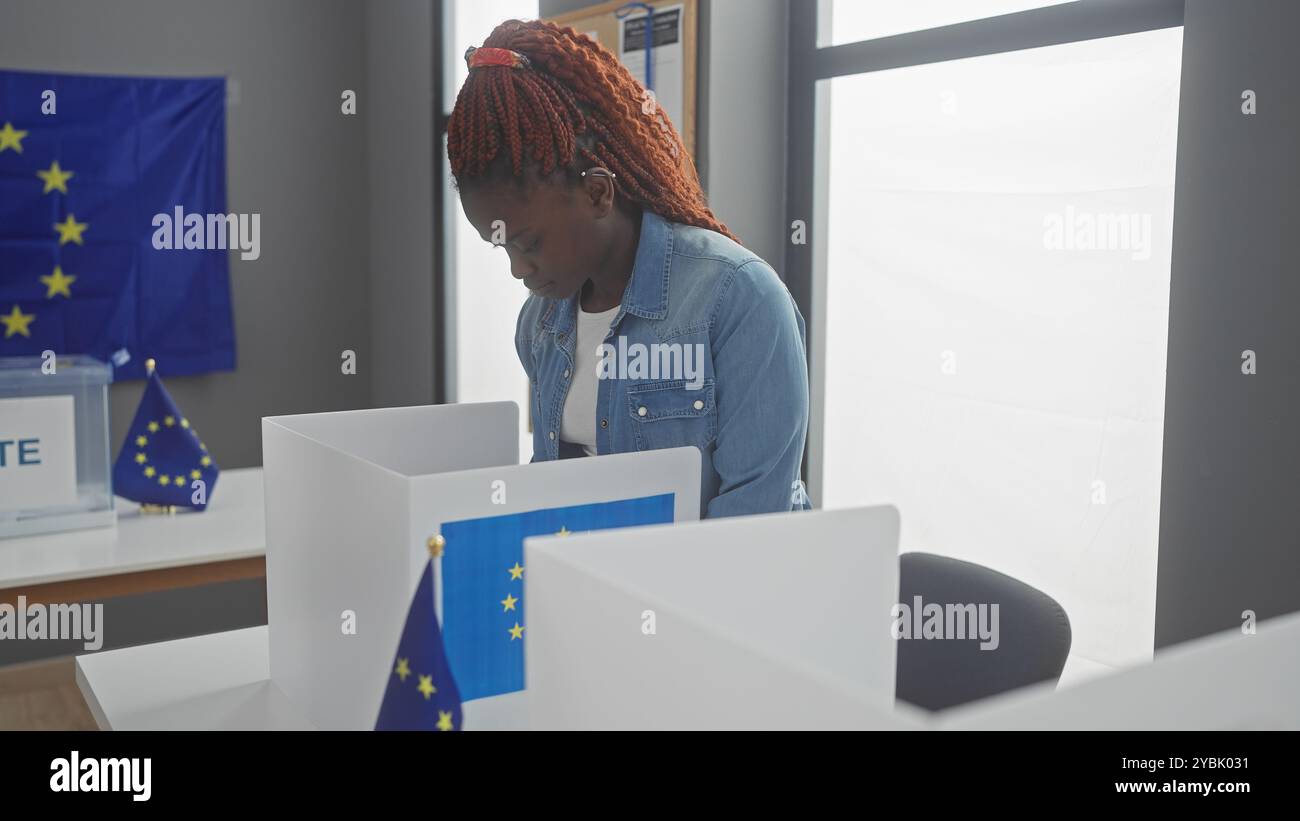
641	411
699	404
551	434
604	423
566	373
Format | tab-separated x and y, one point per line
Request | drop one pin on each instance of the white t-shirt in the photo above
578	423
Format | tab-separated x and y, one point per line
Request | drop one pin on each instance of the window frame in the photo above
443	335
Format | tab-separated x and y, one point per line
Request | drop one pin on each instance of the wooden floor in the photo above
42	695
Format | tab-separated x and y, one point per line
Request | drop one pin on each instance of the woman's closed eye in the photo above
531	249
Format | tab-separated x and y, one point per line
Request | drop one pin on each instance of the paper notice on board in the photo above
668	65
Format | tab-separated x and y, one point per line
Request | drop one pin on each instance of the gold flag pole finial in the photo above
436	544
152	509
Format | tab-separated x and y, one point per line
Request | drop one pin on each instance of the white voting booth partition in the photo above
351	501
1227	681
778	621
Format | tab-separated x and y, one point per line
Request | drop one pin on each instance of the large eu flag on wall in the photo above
85	165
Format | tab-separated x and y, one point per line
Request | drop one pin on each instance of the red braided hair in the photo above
574	105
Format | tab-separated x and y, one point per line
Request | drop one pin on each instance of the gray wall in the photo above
746	75
1231	474
743	161
398	113
292	157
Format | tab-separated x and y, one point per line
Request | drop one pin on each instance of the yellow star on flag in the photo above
516	632
169	421
141	441
403	668
153	427
149	472
70	230
194	474
164	479
205	461
444	720
16	322
515	572
11	137
56	179
509	602
140	458
179	481
426	687
57	283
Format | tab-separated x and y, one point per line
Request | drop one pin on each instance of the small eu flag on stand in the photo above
421	693
163	461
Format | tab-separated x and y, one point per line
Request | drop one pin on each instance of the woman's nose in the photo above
520	269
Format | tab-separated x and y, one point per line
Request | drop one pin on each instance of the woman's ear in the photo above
598	189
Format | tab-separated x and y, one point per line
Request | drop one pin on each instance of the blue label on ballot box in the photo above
483	584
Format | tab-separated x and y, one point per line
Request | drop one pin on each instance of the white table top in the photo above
232	527
221	681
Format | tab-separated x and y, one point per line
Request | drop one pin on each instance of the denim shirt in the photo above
705	300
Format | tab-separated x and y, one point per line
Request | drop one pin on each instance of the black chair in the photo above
1033	635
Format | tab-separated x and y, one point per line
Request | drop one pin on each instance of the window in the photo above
481	298
989	310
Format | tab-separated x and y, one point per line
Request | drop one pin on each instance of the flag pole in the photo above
146	508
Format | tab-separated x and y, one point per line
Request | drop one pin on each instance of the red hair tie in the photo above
478	57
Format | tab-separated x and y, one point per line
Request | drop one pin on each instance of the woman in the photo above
648	325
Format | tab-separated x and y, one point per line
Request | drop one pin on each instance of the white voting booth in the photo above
351	501
778	621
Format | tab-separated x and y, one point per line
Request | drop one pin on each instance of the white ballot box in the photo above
352	499
778	621
1226	681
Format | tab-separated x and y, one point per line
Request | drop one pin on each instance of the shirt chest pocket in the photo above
671	414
